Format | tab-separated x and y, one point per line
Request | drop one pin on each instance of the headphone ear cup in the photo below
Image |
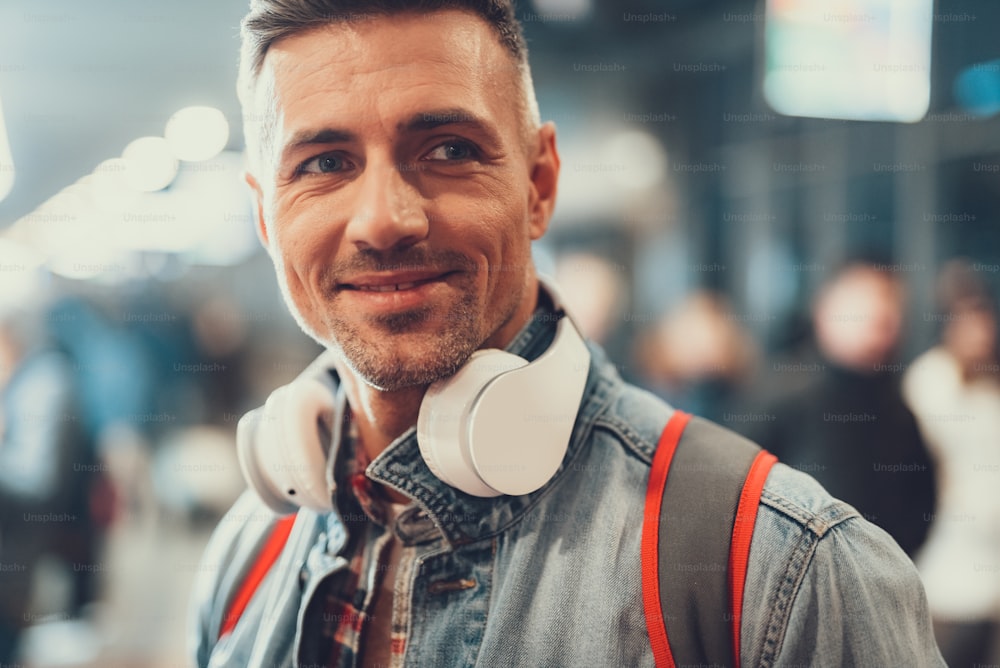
281	447
443	424
501	425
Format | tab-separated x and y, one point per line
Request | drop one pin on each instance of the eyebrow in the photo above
310	137
435	118
422	121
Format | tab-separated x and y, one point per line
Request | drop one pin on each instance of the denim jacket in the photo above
556	573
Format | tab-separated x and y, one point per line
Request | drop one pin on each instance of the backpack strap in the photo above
697	530
266	557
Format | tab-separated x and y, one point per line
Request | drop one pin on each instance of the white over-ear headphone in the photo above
500	425
283	445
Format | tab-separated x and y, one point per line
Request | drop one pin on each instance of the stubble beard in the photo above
396	351
384	359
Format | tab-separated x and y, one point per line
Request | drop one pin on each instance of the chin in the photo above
394	375
398	362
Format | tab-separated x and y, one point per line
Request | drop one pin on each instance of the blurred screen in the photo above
849	59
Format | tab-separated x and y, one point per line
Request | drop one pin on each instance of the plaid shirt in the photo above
349	598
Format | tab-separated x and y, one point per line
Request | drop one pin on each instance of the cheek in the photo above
289	250
305	235
512	228
300	249
504	246
488	222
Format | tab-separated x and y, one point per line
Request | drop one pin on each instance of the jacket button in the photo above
441	586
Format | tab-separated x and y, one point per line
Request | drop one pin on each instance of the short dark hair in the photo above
960	287
271	20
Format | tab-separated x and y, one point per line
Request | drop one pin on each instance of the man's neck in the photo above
381	416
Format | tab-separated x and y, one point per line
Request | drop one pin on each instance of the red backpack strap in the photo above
664	454
697	531
743	526
266	557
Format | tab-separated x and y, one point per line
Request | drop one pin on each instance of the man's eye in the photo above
324	164
453	150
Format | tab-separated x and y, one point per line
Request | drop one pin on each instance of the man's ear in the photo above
258	196
544	180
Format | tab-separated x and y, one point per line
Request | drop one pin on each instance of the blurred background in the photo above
783	215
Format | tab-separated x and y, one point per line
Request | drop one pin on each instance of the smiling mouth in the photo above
386	286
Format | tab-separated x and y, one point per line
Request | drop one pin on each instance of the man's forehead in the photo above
454	40
385	69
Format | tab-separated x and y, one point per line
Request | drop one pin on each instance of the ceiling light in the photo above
150	165
197	133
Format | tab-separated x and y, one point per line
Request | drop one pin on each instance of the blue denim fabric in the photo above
557	572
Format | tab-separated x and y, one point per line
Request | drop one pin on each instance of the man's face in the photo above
399	199
859	319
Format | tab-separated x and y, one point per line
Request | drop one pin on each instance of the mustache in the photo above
415	258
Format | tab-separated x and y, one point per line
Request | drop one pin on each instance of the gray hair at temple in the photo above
271	20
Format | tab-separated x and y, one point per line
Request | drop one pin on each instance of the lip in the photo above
392	291
391	281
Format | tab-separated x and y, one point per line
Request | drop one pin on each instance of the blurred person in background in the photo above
954	390
113	371
835	409
46	466
697	357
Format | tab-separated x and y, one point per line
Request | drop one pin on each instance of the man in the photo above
401	173
843	419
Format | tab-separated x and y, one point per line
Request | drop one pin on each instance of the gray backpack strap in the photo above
707	474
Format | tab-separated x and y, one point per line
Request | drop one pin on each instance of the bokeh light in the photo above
197	133
150	164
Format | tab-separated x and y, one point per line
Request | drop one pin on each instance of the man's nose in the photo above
389	211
